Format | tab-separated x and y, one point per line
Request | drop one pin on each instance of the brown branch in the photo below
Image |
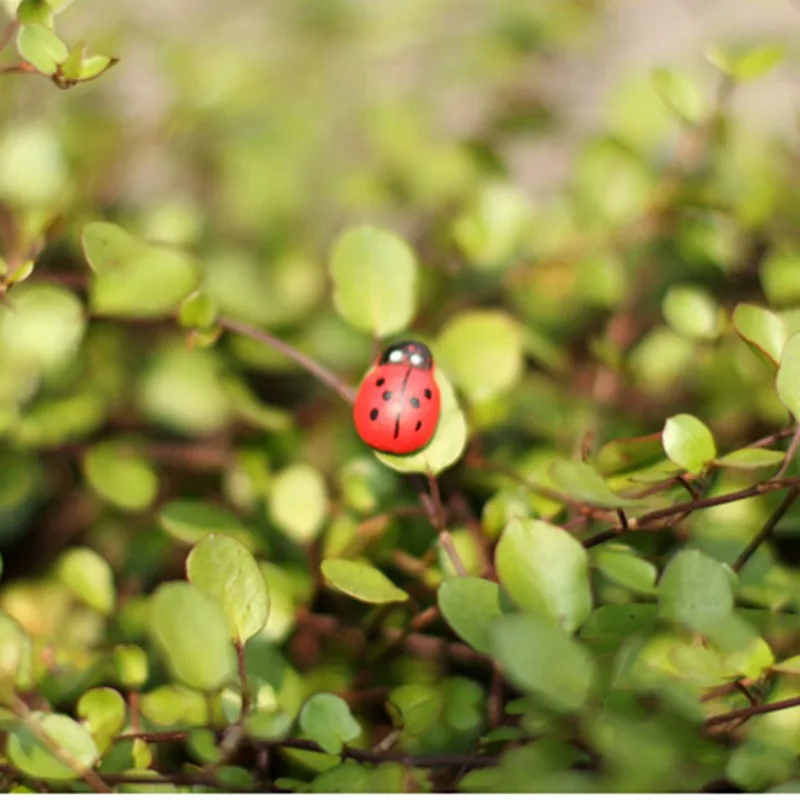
308	364
766	530
752	711
245	689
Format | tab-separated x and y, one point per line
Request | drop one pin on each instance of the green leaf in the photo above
327	720
35	12
542	659
121	477
268	726
103	713
88	576
780	277
189	521
492	230
191	631
692	312
130	665
224	569
298	503
746	64
762	330
471	607
134	279
29	754
695	591
750	458
681	94
16	657
788	380
583	482
374	277
45	327
448	443
198	310
688	442
625	568
482	352
94	66
544	569
362	581
41	48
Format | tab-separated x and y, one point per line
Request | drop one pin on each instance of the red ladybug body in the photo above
398	403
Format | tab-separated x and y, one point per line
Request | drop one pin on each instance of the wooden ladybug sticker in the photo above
398	403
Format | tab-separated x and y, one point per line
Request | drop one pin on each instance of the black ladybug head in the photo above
409	354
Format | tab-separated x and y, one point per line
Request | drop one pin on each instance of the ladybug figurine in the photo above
398	403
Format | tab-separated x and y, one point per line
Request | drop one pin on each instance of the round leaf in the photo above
374	277
692	312
688	442
224	569
471	607
788	379
40	46
88	575
28	753
540	658
780	277
191	631
762	330
189	521
622	566
583	482
681	94
298	504
695	591
362	581
327	720
122	478
103	711
482	352
448	442
544	569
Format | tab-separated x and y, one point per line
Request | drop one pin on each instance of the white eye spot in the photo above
416	359
395	356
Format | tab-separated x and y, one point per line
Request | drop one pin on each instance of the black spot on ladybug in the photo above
428	394
373	415
380	381
387	395
414	402
418	425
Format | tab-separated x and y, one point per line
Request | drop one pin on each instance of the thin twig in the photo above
790	453
308	364
752	711
766	530
245	689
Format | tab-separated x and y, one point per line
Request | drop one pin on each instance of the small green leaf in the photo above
123	478
482	352
374	277
189	521
132	278
540	658
224	569
88	576
41	48
762	330
471	607
750	458
362	581
448	443
681	94
94	66
688	442
298	503
268	726
780	277
746	64
692	312
130	665
788	380
544	569
103	713
35	12
492	230
695	591
28	753
327	720
198	310
627	569
16	657
191	631
583	482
